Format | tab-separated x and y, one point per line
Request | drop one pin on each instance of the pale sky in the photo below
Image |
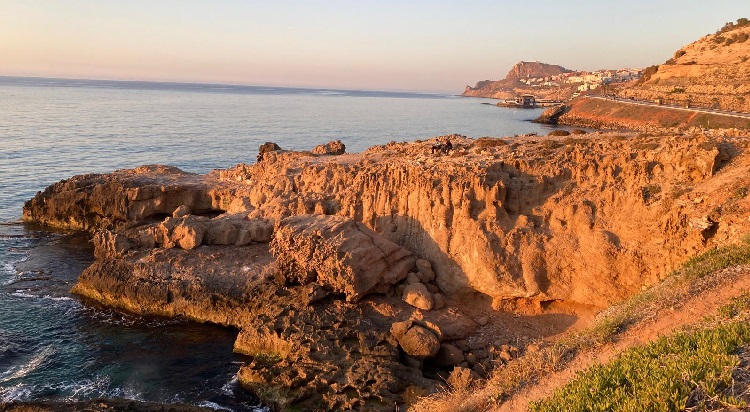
437	46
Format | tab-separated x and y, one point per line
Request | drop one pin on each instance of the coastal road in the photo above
687	109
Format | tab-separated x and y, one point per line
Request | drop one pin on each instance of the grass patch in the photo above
662	376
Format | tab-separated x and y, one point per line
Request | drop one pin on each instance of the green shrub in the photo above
679	53
559	132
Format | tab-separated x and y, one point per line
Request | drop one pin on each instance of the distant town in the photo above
586	81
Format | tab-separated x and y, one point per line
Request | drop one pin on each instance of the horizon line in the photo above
199	83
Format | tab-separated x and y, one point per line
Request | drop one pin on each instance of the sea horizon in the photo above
169	85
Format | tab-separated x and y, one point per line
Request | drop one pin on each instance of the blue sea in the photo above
55	346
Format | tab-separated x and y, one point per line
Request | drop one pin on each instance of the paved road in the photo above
691	109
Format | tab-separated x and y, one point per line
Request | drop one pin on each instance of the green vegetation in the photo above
661	376
679	53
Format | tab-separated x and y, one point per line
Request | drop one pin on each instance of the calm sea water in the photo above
55	346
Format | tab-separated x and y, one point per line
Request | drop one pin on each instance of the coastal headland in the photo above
364	281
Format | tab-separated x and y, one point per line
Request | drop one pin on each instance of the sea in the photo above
57	346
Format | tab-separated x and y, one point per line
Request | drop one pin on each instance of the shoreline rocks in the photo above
347	275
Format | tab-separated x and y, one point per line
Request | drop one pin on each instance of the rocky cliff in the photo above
523	70
511	86
359	280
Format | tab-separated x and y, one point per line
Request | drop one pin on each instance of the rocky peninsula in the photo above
360	281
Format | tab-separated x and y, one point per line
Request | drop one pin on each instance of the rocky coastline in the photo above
364	281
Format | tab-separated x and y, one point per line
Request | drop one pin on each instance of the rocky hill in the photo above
360	280
524	70
711	72
511	86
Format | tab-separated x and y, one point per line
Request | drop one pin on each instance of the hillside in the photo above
711	72
511	85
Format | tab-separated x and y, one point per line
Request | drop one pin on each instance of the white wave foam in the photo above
33	364
18	392
229	387
214	406
125	393
21	294
88	388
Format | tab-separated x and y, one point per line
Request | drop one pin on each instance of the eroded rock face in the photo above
339	253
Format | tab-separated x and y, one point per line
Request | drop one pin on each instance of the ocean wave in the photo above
20	371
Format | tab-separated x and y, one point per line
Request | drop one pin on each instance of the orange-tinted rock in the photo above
339	253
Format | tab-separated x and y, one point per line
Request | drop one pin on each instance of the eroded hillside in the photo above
711	72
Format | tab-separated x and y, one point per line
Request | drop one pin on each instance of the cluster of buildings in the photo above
585	80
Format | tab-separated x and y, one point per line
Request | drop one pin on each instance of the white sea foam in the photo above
214	406
88	388
19	392
228	388
21	294
34	363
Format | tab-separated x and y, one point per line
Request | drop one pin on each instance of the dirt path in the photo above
662	323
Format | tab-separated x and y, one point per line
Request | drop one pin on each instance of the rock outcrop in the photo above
340	254
330	148
358	280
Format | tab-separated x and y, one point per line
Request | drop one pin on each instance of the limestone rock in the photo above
330	148
108	244
420	342
188	233
439	301
340	254
181	211
268	147
449	355
425	273
418	296
412	278
222	233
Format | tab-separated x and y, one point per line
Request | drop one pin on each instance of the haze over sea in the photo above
54	346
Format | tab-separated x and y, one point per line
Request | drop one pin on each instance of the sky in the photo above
430	46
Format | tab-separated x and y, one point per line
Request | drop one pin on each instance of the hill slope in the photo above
711	72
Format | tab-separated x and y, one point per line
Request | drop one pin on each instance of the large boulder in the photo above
418	296
268	147
416	340
330	148
339	254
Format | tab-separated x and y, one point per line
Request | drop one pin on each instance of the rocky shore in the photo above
363	281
